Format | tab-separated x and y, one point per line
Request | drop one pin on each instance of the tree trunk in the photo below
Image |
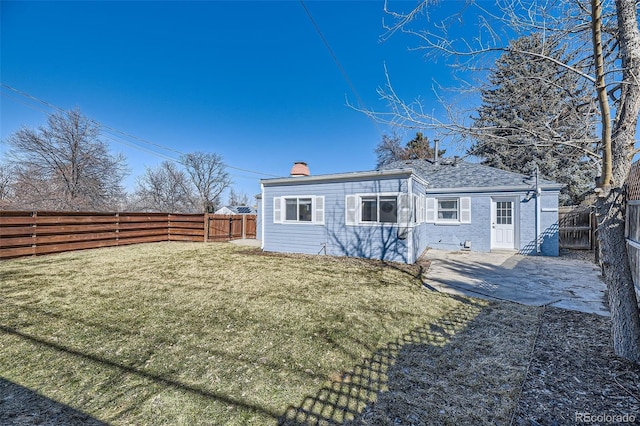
623	303
625	316
601	90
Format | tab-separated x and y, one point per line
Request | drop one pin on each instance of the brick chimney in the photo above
299	169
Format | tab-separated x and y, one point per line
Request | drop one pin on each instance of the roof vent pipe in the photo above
299	169
436	147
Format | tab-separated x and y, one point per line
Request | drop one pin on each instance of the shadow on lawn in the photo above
20	405
150	376
347	395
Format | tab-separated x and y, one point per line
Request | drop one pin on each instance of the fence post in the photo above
206	227
34	232
244	226
117	228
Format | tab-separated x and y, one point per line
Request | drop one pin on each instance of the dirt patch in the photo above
479	377
574	373
586	255
475	378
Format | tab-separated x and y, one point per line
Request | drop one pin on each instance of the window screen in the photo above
369	209
448	209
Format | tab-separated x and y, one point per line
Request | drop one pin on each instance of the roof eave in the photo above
340	176
503	188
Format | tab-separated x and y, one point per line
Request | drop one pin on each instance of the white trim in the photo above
351	212
464	211
474	189
422	209
431	209
515	220
411	218
262	219
358	208
344	176
457	201
549	210
277	210
283	206
318	199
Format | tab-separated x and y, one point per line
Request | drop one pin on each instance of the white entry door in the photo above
503	224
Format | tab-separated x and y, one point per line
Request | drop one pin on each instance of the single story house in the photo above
397	212
236	210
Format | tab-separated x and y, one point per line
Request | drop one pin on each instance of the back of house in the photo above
397	212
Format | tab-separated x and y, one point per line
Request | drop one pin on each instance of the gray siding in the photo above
334	237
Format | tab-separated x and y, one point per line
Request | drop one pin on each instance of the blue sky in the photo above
251	81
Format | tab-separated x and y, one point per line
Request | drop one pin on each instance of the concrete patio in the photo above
530	280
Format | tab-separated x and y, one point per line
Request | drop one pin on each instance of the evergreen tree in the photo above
390	149
536	112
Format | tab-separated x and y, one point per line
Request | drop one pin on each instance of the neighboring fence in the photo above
33	233
577	225
222	227
633	223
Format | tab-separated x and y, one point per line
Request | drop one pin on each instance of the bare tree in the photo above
7	184
238	198
209	177
390	149
65	166
612	29
167	189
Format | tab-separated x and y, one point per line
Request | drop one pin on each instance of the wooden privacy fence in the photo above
25	233
632	229
577	225
221	227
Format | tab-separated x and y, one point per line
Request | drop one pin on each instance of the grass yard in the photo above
192	333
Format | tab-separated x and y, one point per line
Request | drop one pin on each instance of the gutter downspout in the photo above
410	229
263	218
538	192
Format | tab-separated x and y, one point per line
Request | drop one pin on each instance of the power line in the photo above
113	130
337	62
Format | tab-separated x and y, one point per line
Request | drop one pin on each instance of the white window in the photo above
298	209
377	208
448	210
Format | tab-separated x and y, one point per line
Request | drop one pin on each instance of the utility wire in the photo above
112	130
337	62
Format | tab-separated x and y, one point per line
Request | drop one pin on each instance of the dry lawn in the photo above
187	334
174	333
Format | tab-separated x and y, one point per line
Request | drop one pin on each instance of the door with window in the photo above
503	224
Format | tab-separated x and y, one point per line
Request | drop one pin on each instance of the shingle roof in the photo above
462	174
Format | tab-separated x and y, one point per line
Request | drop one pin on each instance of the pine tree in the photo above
536	112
